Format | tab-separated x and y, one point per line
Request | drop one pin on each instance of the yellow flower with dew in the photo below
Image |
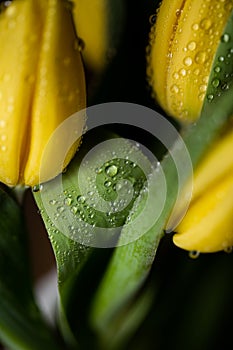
41	84
184	43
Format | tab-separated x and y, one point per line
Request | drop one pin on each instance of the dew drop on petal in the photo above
176	76
183	72
195	26
194	254
175	89
205	23
228	249
2	123
188	61
192	45
152	19
201	57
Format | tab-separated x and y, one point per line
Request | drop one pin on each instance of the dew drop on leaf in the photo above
221	58
81	199
217	69
68	201
111	170
225	38
215	83
37	188
107	184
52	202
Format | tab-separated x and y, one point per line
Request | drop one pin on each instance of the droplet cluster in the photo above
105	203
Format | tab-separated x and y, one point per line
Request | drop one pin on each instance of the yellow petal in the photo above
207	226
18	60
180	67
217	164
91	19
59	90
41	84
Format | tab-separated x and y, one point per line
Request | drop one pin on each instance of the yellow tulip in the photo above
208	223
41	84
91	19
183	45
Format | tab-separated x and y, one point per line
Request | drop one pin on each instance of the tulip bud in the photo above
183	45
41	84
208	225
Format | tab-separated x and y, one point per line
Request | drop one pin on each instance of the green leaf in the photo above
83	211
130	264
21	325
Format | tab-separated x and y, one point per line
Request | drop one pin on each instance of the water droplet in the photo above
81	199
195	26
37	188
52	202
183	72
68	201
228	250
210	97
178	12
175	89
74	209
2	123
3	137
111	170
107	184
203	88
80	45
221	58
215	83
217	69
152	19
98	170
201	97
194	254
201	57
225	38
224	86
196	71
3	148
60	209
206	24
192	45
188	61
176	76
